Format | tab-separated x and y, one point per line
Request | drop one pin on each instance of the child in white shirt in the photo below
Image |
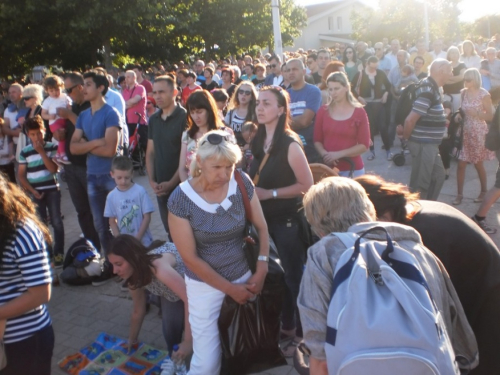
56	99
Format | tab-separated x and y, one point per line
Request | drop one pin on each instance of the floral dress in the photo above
475	129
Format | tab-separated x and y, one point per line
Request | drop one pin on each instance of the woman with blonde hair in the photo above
207	221
477	110
469	56
456	83
341	128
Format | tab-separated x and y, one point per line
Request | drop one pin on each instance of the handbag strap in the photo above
261	166
244	193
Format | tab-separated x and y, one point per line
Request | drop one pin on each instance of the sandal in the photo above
371	156
480	198
458	200
289	349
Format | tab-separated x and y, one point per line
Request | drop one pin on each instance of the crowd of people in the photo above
266	118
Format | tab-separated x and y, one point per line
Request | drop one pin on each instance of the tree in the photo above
404	20
78	34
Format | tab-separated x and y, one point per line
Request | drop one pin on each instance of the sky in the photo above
471	9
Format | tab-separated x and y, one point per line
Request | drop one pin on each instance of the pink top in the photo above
140	107
337	135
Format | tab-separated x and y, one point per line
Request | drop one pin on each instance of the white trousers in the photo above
204	309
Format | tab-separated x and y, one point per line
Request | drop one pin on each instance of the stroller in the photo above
136	150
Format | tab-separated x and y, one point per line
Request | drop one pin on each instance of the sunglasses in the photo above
246	92
68	91
26	98
149	103
273	65
216	139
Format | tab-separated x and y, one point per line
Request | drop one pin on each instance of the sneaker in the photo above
58	260
482	224
390	156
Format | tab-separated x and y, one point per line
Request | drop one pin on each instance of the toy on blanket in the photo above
107	355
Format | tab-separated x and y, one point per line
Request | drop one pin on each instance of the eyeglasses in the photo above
68	91
216	139
246	92
273	65
26	98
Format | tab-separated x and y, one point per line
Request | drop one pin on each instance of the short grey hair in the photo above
336	203
34	90
298	61
226	150
474	75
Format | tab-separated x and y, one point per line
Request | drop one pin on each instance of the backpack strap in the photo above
347	238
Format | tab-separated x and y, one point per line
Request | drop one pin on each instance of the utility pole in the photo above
426	25
278	48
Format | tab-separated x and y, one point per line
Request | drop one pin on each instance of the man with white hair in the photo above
362	53
199	67
10	126
490	67
424	129
391	55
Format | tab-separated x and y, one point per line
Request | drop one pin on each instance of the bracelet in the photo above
263	258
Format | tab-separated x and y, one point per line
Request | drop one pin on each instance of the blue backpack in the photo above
382	319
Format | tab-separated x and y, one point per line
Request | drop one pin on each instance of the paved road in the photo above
80	313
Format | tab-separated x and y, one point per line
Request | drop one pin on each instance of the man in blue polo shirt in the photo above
97	134
305	100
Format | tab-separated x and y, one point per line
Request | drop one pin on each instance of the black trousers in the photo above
30	356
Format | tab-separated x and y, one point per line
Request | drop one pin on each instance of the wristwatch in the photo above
263	258
275	193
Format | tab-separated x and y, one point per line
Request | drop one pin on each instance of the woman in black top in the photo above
371	87
282	176
469	255
456	83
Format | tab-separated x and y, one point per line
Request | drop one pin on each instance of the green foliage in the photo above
79	34
404	20
486	26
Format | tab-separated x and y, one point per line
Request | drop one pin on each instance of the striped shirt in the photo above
36	172
24	265
431	125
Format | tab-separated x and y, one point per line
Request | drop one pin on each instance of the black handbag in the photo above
492	140
250	333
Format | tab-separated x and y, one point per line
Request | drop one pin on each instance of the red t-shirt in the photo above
337	135
147	85
186	91
140	107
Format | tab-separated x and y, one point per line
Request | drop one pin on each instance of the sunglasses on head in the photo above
68	91
26	98
216	139
246	92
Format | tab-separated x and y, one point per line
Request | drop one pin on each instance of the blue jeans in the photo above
76	176
286	234
51	201
172	318
98	187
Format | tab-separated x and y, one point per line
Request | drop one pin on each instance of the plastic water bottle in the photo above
167	367
180	366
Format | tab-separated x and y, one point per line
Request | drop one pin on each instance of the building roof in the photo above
315	9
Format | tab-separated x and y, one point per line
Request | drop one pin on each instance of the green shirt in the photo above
166	136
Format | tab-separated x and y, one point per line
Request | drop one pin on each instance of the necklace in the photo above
267	145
